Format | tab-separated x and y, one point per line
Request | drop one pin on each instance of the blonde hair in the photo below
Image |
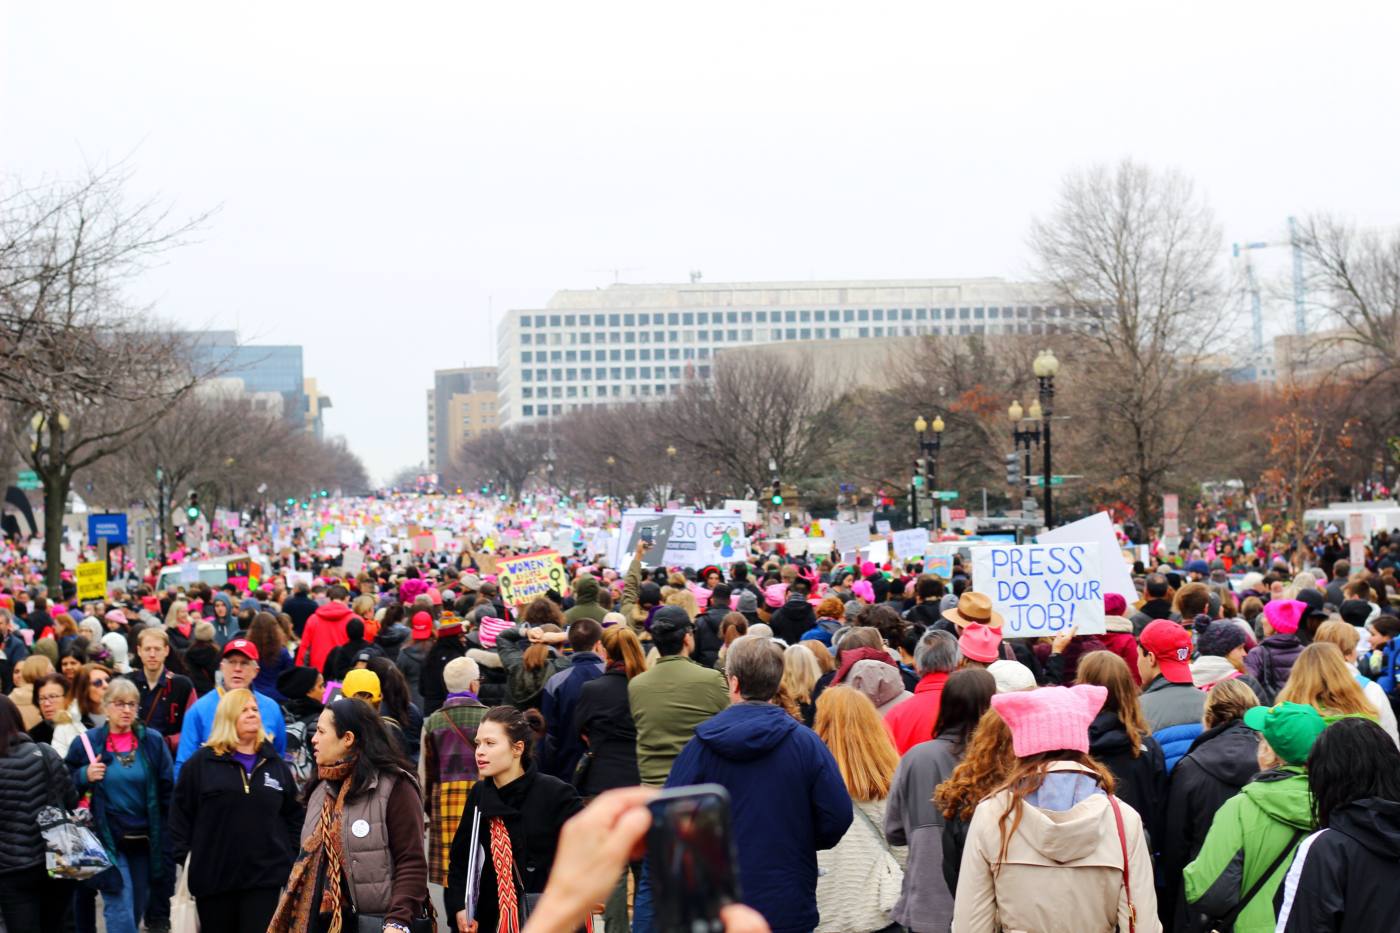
1321	678
822	653
1107	669
32	668
1227	701
363	606
849	724
800	672
151	631
172	618
1338	633
686	600
223	734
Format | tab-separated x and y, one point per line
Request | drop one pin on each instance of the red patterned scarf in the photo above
294	913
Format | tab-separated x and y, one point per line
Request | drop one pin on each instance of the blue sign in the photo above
112	527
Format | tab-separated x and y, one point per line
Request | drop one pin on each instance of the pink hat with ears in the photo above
864	590
775	595
1050	719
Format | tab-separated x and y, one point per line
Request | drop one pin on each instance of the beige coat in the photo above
1063	870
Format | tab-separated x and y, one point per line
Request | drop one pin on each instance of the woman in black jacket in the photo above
518	813
1221	760
235	814
1121	740
603	718
31	776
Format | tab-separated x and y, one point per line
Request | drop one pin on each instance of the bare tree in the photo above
506	457
85	372
1131	255
1355	278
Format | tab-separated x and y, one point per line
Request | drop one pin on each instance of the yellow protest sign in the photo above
92	580
525	578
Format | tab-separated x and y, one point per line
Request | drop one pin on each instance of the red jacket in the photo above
911	722
324	631
1119	639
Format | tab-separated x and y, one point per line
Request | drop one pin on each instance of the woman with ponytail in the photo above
362	840
514	814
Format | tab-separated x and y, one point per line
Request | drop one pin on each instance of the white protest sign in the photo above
1041	589
910	542
877	551
353	562
850	536
882	527
683	538
1098	529
747	509
1356	539
818	547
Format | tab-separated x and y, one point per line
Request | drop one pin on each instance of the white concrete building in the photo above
638	342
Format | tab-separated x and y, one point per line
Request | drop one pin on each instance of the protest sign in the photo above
747	509
525	578
877	551
850	536
882	527
1042	589
940	565
1098	529
353	562
818	547
910	543
92	580
682	538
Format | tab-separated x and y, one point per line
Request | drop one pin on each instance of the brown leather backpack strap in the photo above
1127	875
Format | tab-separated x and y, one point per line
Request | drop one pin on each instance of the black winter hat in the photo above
1219	639
296	682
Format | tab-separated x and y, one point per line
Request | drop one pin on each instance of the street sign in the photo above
28	479
1056	480
945	494
957	515
111	526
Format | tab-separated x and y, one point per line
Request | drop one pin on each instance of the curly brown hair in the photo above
983	769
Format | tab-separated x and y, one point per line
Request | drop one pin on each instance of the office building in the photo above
261	369
461	405
628	343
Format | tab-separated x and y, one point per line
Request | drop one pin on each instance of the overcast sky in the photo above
388	173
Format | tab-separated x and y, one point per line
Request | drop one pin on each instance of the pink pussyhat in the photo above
1050	719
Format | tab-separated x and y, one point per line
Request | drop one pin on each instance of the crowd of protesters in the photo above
318	756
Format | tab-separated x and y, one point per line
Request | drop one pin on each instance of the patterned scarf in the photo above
294	913
503	861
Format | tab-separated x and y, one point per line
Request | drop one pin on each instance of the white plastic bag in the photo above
184	918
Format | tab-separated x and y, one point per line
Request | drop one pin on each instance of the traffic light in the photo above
192	510
777	492
1013	469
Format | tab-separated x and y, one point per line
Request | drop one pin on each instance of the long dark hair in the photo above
393	688
517	727
11	724
377	752
966	696
1352	759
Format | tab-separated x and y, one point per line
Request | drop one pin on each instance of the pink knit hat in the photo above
775	595
980	642
1285	614
1051	718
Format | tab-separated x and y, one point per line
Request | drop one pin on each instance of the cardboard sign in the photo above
92	580
1098	529
1356	540
1042	589
910	543
526	578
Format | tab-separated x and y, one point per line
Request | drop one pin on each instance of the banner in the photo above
92	580
1042	589
526	578
682	538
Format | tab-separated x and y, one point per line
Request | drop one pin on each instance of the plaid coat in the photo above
448	770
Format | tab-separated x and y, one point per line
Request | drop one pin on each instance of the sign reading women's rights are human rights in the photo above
1041	589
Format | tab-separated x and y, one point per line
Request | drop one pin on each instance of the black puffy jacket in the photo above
1220	761
1346	878
1141	781
603	716
32	775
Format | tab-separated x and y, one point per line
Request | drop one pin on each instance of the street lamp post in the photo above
1025	438
612	462
1046	366
927	463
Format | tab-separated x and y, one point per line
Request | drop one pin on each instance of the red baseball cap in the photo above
422	626
242	646
1170	644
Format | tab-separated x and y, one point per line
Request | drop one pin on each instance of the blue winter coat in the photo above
561	693
788	802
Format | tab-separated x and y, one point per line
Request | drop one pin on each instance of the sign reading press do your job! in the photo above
1042	589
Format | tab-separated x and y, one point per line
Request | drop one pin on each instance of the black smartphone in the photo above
692	861
648	535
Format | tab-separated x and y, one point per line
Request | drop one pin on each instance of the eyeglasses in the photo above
50	699
123	704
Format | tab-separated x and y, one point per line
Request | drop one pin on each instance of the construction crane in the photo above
1256	306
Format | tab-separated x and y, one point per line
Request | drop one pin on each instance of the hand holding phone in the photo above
692	860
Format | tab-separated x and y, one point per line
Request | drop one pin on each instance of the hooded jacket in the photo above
1271	814
911	819
1063	867
1174	712
1221	761
586	605
1270	661
1140	782
793	619
325	630
1344	878
788	801
880	681
912	721
1209	669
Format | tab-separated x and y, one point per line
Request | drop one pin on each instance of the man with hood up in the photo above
586	605
786	792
